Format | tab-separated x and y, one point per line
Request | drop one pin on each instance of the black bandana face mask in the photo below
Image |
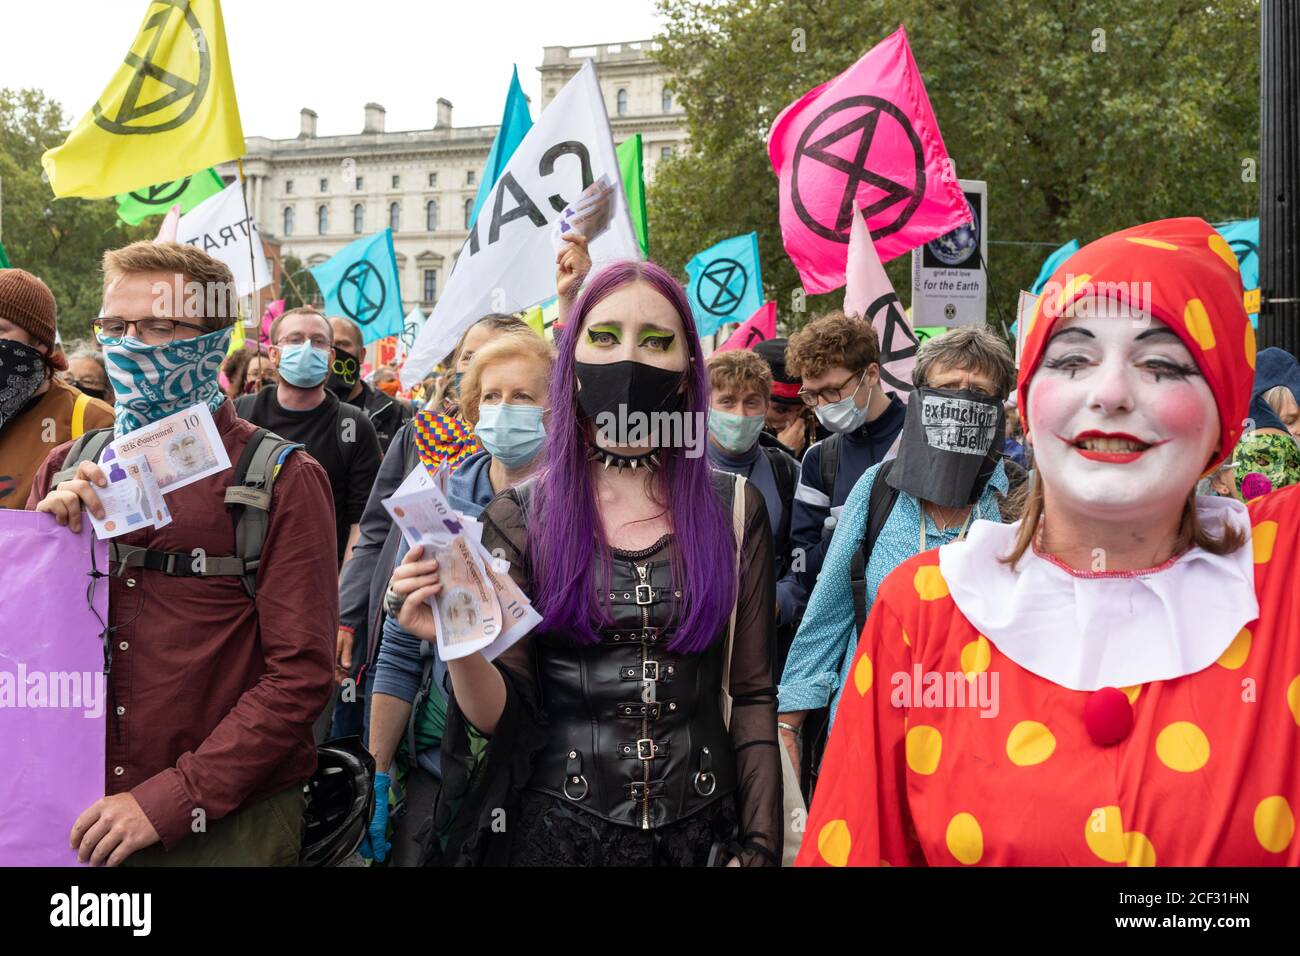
951	438
631	386
22	370
343	373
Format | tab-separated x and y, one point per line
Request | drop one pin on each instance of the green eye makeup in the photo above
661	340
598	330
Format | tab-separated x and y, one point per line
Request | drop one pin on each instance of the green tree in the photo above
1085	116
60	240
298	286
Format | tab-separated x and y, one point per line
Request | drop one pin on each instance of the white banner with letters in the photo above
220	227
508	261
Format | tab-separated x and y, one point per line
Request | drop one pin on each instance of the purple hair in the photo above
566	530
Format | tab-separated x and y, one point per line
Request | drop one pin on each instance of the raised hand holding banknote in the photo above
416	580
479	688
72	497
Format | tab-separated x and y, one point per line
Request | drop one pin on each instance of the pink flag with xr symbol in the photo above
865	140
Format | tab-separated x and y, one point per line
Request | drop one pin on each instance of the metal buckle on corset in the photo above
645	594
649	670
646	749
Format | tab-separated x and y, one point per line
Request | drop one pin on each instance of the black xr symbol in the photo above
181	90
163	193
857	170
717	286
355	295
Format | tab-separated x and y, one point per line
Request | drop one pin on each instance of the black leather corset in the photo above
635	733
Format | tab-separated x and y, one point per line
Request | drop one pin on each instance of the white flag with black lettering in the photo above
220	227
508	261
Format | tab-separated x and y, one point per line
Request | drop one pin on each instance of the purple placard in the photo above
53	695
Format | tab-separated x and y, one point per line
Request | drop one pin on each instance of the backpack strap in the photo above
79	406
786	472
830	463
879	506
87	447
249	498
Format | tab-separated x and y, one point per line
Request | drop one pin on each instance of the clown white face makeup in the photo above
1121	420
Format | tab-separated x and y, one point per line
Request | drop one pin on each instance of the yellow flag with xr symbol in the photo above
169	110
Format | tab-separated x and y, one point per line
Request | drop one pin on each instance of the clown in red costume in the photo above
1114	679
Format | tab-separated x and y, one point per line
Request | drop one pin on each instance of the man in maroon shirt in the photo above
213	693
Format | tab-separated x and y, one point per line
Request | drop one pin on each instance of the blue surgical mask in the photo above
735	433
844	416
153	381
512	434
304	365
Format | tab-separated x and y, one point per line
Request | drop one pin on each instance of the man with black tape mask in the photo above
949	471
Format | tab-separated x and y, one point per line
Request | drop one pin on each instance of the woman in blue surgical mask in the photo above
503	397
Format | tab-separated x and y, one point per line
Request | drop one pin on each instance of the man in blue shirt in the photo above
969	363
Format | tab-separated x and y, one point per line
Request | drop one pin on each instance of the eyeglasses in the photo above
149	331
317	341
829	394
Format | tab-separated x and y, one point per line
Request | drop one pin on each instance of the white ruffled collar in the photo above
1084	631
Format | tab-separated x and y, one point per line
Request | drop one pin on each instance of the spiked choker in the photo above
648	461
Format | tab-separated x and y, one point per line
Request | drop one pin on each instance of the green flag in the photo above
629	165
135	207
4	259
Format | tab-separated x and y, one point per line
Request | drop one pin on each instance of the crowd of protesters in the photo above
720	625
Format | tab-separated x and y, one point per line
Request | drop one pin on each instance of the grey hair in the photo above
86	352
970	348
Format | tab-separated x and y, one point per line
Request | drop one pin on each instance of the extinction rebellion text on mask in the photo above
638	429
76	909
58	690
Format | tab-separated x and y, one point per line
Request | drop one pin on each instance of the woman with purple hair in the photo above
607	741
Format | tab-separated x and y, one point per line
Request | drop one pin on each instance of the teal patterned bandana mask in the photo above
153	381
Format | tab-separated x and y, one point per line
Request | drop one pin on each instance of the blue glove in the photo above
375	845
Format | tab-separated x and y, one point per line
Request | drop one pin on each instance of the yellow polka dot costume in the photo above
1209	774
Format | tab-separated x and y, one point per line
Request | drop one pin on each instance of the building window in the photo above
469	178
358	219
667	101
430	285
433	179
431	215
665	152
395	217
361	182
322	220
621	102
469	211
288	187
397	180
288	221
324	185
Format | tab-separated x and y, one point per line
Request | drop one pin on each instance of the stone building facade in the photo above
312	195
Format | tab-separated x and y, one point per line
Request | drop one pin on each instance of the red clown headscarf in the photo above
1179	271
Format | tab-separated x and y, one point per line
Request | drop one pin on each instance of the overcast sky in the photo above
331	55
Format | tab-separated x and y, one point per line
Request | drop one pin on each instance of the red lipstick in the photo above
1110	455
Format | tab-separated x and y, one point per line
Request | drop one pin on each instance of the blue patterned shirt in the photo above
819	660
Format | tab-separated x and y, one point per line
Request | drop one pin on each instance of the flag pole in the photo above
252	263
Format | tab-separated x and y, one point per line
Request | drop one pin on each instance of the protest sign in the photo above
53	692
949	281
